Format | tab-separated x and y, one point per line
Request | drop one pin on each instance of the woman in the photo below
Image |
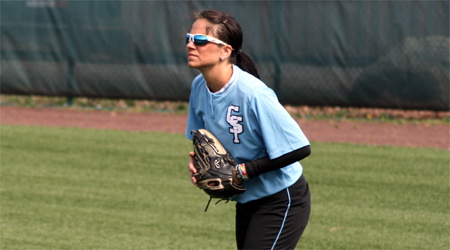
229	100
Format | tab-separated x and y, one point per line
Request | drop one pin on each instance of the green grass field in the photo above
69	188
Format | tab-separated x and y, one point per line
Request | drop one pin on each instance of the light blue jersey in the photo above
250	123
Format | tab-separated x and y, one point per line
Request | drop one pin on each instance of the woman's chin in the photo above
192	65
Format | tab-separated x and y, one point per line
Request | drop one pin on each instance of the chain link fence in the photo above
392	54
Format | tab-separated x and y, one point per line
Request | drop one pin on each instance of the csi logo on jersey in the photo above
233	120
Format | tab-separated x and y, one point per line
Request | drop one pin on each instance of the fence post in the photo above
277	42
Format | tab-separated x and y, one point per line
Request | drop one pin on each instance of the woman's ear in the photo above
226	52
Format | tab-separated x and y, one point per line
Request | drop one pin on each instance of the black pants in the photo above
276	221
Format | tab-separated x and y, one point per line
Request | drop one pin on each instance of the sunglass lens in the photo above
188	38
200	40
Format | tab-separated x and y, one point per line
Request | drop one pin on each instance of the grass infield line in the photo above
70	188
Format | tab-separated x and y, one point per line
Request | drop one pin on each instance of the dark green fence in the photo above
392	54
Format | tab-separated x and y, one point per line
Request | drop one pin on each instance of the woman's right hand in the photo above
192	170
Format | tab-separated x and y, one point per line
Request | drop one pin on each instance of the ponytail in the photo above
227	29
244	62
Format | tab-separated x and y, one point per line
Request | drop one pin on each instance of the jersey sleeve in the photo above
280	132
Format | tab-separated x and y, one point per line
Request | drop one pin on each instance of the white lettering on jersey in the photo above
233	120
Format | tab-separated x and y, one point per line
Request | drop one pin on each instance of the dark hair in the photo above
227	29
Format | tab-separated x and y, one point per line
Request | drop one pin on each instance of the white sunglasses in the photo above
199	39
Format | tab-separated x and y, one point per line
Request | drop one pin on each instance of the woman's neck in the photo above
217	77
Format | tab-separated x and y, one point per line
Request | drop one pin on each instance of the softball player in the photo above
229	100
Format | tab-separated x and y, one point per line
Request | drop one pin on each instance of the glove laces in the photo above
210	198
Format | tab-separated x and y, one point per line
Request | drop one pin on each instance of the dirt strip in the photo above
371	133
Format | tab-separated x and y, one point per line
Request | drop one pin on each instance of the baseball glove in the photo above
214	166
